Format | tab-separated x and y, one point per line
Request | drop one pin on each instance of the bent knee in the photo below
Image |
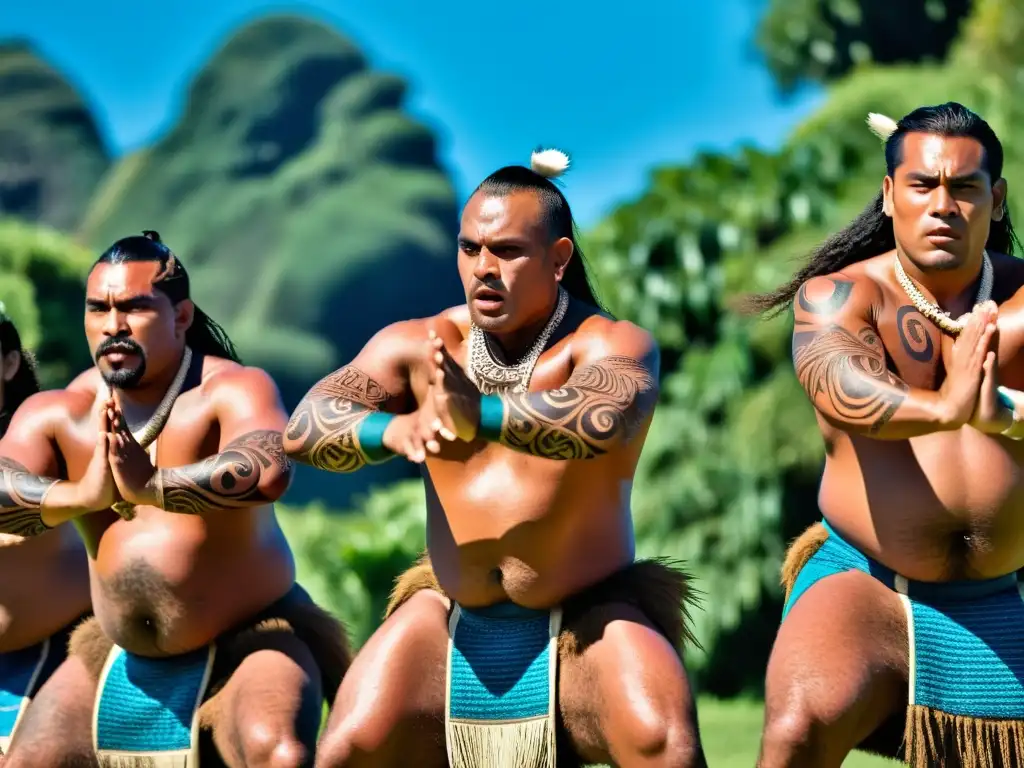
667	739
790	731
262	747
350	744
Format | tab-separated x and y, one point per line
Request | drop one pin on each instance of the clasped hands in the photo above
449	412
119	470
970	392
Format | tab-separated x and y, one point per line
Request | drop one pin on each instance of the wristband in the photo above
492	418
370	437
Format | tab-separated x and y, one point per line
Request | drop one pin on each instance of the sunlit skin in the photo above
502	525
44	580
937	501
503	243
941	201
216	567
121	303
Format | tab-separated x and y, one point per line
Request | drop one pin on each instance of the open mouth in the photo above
486	298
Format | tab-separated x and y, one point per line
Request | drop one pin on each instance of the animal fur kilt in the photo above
159	712
502	661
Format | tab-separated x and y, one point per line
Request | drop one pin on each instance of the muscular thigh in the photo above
56	729
390	708
839	662
272	702
627	694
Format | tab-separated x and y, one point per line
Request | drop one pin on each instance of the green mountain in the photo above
51	153
309	209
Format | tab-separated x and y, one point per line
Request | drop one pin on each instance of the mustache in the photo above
492	285
116	344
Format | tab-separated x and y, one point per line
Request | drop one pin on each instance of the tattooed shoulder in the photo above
824	295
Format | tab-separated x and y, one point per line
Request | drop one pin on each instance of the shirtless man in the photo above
529	525
44	580
202	644
903	615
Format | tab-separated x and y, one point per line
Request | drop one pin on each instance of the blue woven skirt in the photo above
966	655
500	689
148	708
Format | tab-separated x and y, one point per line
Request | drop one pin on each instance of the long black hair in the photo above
25	382
517	178
204	336
871	233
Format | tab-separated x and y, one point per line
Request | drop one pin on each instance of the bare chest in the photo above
189	434
913	346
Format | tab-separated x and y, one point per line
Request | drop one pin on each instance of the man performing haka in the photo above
44	589
537	613
903	621
202	645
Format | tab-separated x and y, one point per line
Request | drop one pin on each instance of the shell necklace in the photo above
491	376
933	311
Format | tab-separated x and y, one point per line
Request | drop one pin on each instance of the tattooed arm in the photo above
27	505
841	364
608	398
251	469
326	428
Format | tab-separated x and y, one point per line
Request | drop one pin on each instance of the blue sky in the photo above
621	93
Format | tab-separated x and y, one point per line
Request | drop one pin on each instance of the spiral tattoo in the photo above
325	422
229	480
914	336
849	371
21	494
599	404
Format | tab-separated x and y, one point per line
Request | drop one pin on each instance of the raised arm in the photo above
250	469
608	398
840	361
339	425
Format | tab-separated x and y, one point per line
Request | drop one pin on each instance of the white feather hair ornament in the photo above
3	308
883	127
549	163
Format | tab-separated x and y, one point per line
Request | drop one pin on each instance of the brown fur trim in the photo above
419	577
936	738
803	548
89	644
658	589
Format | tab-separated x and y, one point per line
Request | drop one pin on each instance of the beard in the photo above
126	376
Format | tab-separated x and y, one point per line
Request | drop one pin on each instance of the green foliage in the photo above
51	154
348	562
41	274
297	192
822	40
731	467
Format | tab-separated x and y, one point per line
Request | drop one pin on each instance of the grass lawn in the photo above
731	732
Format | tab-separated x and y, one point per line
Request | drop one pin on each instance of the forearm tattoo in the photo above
326	420
232	479
844	373
21	494
599	405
